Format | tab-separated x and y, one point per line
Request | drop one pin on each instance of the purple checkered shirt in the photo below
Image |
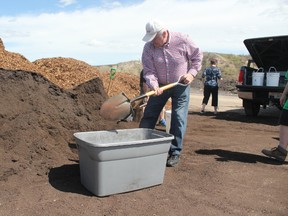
166	64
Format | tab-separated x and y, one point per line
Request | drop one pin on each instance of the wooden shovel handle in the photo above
150	93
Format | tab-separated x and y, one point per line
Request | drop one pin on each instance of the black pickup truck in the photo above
266	52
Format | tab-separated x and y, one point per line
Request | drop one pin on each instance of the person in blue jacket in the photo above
211	75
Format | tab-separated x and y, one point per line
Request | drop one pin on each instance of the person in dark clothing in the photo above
211	74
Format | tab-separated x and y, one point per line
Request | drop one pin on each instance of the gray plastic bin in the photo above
124	160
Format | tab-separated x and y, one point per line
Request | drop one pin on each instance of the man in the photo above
280	152
168	56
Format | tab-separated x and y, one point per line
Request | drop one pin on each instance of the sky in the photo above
107	32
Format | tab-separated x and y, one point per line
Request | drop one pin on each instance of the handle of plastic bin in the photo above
260	70
273	69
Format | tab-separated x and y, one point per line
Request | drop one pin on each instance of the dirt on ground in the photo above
221	169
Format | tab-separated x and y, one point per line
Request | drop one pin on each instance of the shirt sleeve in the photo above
219	75
204	73
194	56
148	67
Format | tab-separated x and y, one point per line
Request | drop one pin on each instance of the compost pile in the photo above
43	104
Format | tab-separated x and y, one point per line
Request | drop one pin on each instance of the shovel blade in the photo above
116	108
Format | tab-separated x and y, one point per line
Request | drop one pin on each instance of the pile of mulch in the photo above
15	61
68	73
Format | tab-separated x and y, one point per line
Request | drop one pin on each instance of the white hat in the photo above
152	28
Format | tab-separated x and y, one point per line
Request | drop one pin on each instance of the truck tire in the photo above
251	108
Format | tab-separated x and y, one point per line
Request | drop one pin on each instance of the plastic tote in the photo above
118	161
258	77
272	77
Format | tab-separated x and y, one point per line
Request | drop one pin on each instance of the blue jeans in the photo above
180	96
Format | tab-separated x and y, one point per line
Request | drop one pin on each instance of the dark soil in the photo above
221	170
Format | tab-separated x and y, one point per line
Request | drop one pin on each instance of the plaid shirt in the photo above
166	64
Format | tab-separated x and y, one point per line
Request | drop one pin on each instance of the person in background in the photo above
212	75
168	56
143	89
280	152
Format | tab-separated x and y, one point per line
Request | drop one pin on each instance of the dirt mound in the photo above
38	120
44	103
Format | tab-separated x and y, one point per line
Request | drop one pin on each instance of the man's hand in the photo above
187	79
158	91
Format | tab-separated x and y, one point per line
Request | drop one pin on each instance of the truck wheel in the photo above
251	109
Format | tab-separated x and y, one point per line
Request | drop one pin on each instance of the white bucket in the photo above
272	78
258	77
168	120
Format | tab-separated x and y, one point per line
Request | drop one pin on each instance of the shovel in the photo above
111	77
119	107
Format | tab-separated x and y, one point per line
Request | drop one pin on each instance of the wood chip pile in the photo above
15	61
67	73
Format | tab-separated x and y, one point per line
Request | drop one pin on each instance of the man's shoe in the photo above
162	122
172	160
277	153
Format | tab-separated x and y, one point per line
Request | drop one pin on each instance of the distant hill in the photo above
228	63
